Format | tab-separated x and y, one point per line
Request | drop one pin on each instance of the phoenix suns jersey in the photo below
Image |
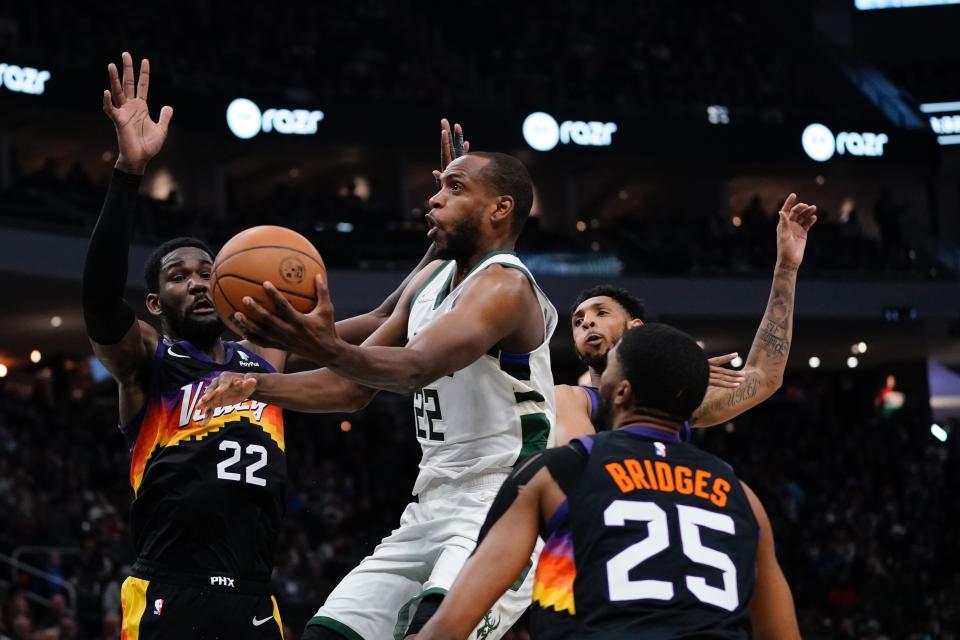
209	493
656	539
493	412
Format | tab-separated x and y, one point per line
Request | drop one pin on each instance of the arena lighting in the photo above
737	362
870	5
22	79
542	132
3	371
245	120
947	127
820	144
56	321
852	362
938	432
35	356
814	362
861	347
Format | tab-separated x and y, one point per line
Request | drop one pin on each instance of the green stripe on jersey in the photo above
535	396
534	429
335	625
433	275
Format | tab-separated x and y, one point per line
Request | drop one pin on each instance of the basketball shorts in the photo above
162	610
422	557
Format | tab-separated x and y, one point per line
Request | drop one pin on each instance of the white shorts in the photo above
378	599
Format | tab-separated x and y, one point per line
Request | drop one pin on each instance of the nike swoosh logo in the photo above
257	623
174	354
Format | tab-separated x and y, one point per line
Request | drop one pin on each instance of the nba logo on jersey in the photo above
661	449
158	606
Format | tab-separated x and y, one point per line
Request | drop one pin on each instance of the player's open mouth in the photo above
433	228
594	339
203	306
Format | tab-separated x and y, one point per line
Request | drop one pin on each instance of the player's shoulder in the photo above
501	281
572	393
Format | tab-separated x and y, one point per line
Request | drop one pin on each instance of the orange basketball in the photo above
280	255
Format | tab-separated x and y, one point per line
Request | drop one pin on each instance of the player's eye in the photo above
205	275
178	277
456	186
577	322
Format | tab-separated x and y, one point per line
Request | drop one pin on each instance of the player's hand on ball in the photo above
311	335
138	137
722	377
796	218
226	389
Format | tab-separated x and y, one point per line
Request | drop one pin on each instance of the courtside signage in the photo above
820	143
245	120
542	132
22	79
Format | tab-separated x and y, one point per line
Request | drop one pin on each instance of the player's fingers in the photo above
788	203
725	384
466	146
256	318
722	360
166	115
143	85
457	141
284	309
446	155
323	292
128	89
108	107
115	87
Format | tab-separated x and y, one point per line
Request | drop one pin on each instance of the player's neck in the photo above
595	375
645	419
215	351
466	264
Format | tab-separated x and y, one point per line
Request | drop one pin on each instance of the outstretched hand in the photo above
226	389
722	377
139	137
796	219
312	335
452	145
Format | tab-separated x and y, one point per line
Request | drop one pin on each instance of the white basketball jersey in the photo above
492	413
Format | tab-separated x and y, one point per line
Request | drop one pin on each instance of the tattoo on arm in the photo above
771	345
767	359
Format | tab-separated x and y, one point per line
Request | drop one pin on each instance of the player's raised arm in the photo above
767	359
121	342
771	612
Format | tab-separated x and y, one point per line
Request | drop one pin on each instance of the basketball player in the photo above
209	496
602	314
646	536
469	340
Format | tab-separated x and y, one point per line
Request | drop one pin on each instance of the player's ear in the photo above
636	322
153	304
503	209
623	394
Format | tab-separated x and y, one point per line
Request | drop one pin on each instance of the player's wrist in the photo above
134	168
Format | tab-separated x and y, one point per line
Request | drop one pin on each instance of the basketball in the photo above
280	255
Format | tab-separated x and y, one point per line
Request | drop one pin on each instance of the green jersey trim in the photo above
407	611
335	625
433	275
534	430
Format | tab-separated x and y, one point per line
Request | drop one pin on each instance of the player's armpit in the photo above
573	414
772	612
720	405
